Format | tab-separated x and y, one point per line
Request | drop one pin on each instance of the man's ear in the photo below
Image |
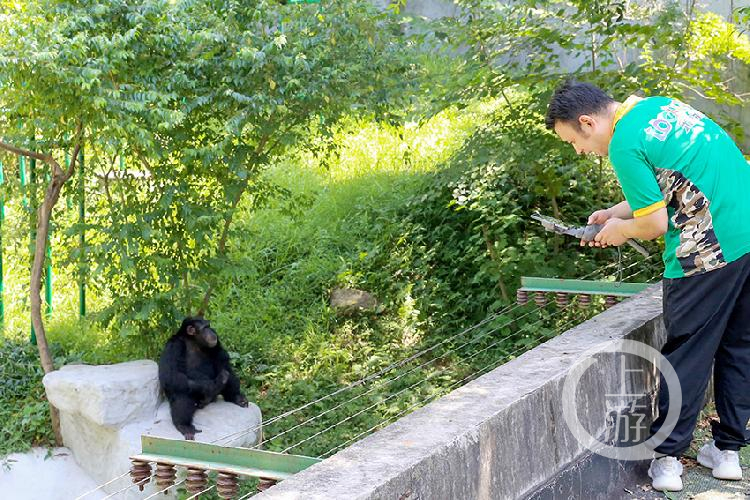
586	120
191	330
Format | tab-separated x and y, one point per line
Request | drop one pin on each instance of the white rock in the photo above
103	439
108	395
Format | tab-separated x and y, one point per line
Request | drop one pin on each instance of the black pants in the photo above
707	318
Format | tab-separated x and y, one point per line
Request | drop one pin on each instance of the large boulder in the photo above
104	411
107	395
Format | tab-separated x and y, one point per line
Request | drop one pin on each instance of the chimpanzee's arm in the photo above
231	390
172	373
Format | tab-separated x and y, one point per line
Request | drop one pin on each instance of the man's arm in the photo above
621	210
647	227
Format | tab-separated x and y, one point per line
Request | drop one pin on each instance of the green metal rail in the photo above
82	242
241	461
2	221
584	287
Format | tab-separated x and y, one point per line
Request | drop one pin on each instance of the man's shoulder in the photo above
652	102
638	121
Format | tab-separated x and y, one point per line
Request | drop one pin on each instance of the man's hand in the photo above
612	234
600	216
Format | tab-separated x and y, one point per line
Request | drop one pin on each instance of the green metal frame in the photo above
82	238
2	223
242	461
26	206
586	287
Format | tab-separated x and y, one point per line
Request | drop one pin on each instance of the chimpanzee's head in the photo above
200	331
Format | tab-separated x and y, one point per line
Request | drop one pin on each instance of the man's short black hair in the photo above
573	99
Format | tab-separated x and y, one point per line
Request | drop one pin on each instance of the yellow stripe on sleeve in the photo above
649	209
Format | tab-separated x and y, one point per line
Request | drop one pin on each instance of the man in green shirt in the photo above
682	177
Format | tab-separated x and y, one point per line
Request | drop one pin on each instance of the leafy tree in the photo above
74	72
655	46
268	78
197	96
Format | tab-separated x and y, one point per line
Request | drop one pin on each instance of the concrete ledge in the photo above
500	436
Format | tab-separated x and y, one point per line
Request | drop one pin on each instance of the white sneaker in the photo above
725	463
665	474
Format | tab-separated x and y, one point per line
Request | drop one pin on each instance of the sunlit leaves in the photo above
198	97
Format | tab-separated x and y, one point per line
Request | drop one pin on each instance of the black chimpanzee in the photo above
193	370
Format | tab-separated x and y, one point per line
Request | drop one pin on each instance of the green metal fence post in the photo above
2	220
81	220
48	273
68	199
24	183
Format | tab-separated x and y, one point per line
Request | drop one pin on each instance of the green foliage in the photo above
24	412
266	73
655	47
198	98
459	247
274	152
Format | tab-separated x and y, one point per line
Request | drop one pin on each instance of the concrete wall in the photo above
434	9
501	436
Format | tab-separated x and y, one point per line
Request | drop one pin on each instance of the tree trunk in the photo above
555	208
42	230
556	213
44	213
222	246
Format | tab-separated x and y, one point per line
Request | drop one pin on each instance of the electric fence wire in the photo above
101	486
141	482
368	378
481	371
419	403
201	492
357	383
391	396
428	399
388	381
389	368
163	490
362	381
443	391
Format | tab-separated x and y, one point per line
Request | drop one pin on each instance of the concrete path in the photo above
44	474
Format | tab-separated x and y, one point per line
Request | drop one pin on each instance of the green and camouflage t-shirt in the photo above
665	153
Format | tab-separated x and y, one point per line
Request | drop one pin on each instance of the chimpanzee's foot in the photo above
240	400
188	431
